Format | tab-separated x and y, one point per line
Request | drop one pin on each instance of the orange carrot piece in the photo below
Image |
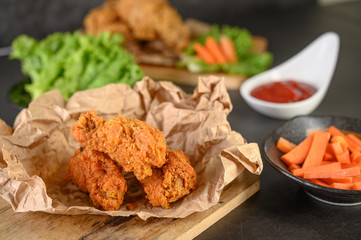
336	148
332	166
353	147
344	157
317	149
344	144
294	166
328	157
298	154
214	48
341	173
345	186
356	186
319	182
354	138
204	54
329	181
284	145
356	179
356	157
228	49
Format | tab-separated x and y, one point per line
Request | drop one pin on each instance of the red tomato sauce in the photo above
284	91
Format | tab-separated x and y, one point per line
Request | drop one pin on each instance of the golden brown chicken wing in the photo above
133	144
154	19
96	173
174	180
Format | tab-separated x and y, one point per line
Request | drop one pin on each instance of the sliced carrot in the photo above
344	144
336	148
284	145
328	157
228	49
354	138
319	182
332	166
356	157
344	157
204	54
341	173
353	147
356	186
294	166
215	49
345	186
317	149
356	179
329	181
298	154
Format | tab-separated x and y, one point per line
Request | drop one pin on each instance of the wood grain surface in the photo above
39	225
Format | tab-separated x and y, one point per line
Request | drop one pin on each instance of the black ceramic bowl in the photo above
296	130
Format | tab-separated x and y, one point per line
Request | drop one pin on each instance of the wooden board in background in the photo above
38	225
184	77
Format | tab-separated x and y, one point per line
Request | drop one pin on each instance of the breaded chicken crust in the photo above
173	181
133	144
94	172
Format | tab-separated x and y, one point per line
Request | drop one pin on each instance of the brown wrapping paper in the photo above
37	153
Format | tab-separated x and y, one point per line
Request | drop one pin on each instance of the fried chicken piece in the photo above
153	19
105	19
173	181
96	173
133	144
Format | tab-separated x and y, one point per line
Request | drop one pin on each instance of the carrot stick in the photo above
228	49
284	145
319	182
345	186
354	138
341	173
214	48
298	154
352	145
344	157
204	54
317	149
294	166
355	157
344	144
332	166
329	181
356	186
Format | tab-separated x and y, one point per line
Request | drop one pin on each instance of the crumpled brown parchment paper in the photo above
37	153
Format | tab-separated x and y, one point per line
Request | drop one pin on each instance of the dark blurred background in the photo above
38	18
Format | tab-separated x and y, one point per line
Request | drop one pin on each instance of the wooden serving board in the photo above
183	76
38	225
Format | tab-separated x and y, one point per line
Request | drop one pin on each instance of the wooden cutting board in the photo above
38	225
184	77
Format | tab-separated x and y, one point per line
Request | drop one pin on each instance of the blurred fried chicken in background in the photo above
133	144
151	28
176	179
96	173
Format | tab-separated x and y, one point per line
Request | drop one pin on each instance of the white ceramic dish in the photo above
314	65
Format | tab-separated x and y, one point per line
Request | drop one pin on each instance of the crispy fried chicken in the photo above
174	180
133	144
96	173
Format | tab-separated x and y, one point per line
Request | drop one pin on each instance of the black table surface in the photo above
281	209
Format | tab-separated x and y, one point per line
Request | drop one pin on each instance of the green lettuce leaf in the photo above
72	62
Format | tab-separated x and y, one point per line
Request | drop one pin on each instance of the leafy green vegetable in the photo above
73	61
249	63
18	95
